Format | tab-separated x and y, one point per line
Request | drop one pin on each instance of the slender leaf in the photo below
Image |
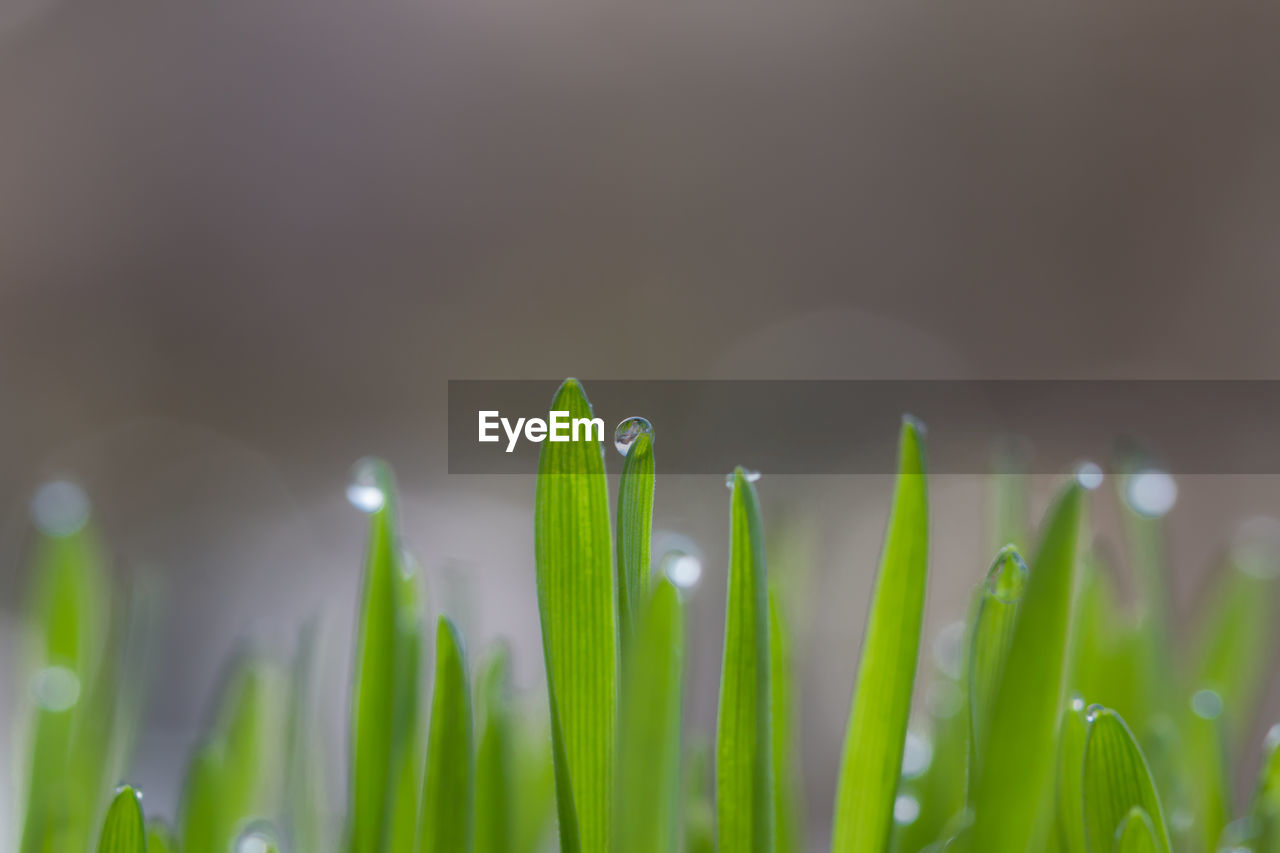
124	831
635	530
1136	833
201	818
577	605
68	667
649	758
1116	779
1237	633
744	739
877	727
992	635
1017	770
1070	793
448	792
699	808
1264	810
305	770
374	695
406	754
788	817
1206	756
495	828
160	837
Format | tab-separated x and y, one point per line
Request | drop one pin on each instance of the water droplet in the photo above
747	474
1077	702
1206	704
943	699
628	430
1007	577
906	809
1272	740
1151	493
917	754
1089	475
948	650
257	838
55	688
364	492
1092	712
681	568
59	508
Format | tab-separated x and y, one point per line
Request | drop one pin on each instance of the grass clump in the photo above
1066	724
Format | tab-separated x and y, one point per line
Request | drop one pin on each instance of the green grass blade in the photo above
1234	640
577	606
1207	758
635	530
201	815
1137	834
788	805
305	765
160	838
373	710
406	752
744	740
699	805
1070	792
1264	810
448	792
68	664
124	831
495	829
991	636
649	757
1016	772
1116	779
872	760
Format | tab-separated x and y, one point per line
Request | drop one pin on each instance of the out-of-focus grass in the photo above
1070	724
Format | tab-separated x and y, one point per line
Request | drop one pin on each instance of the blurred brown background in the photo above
244	243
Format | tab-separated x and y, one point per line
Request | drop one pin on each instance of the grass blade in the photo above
373	711
744	740
160	838
406	754
1235	638
1116	780
788	806
1136	833
494	794
124	831
1017	770
234	776
1207	757
1070	794
699	808
69	661
448	792
649	758
872	760
635	530
1264	810
992	636
577	606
